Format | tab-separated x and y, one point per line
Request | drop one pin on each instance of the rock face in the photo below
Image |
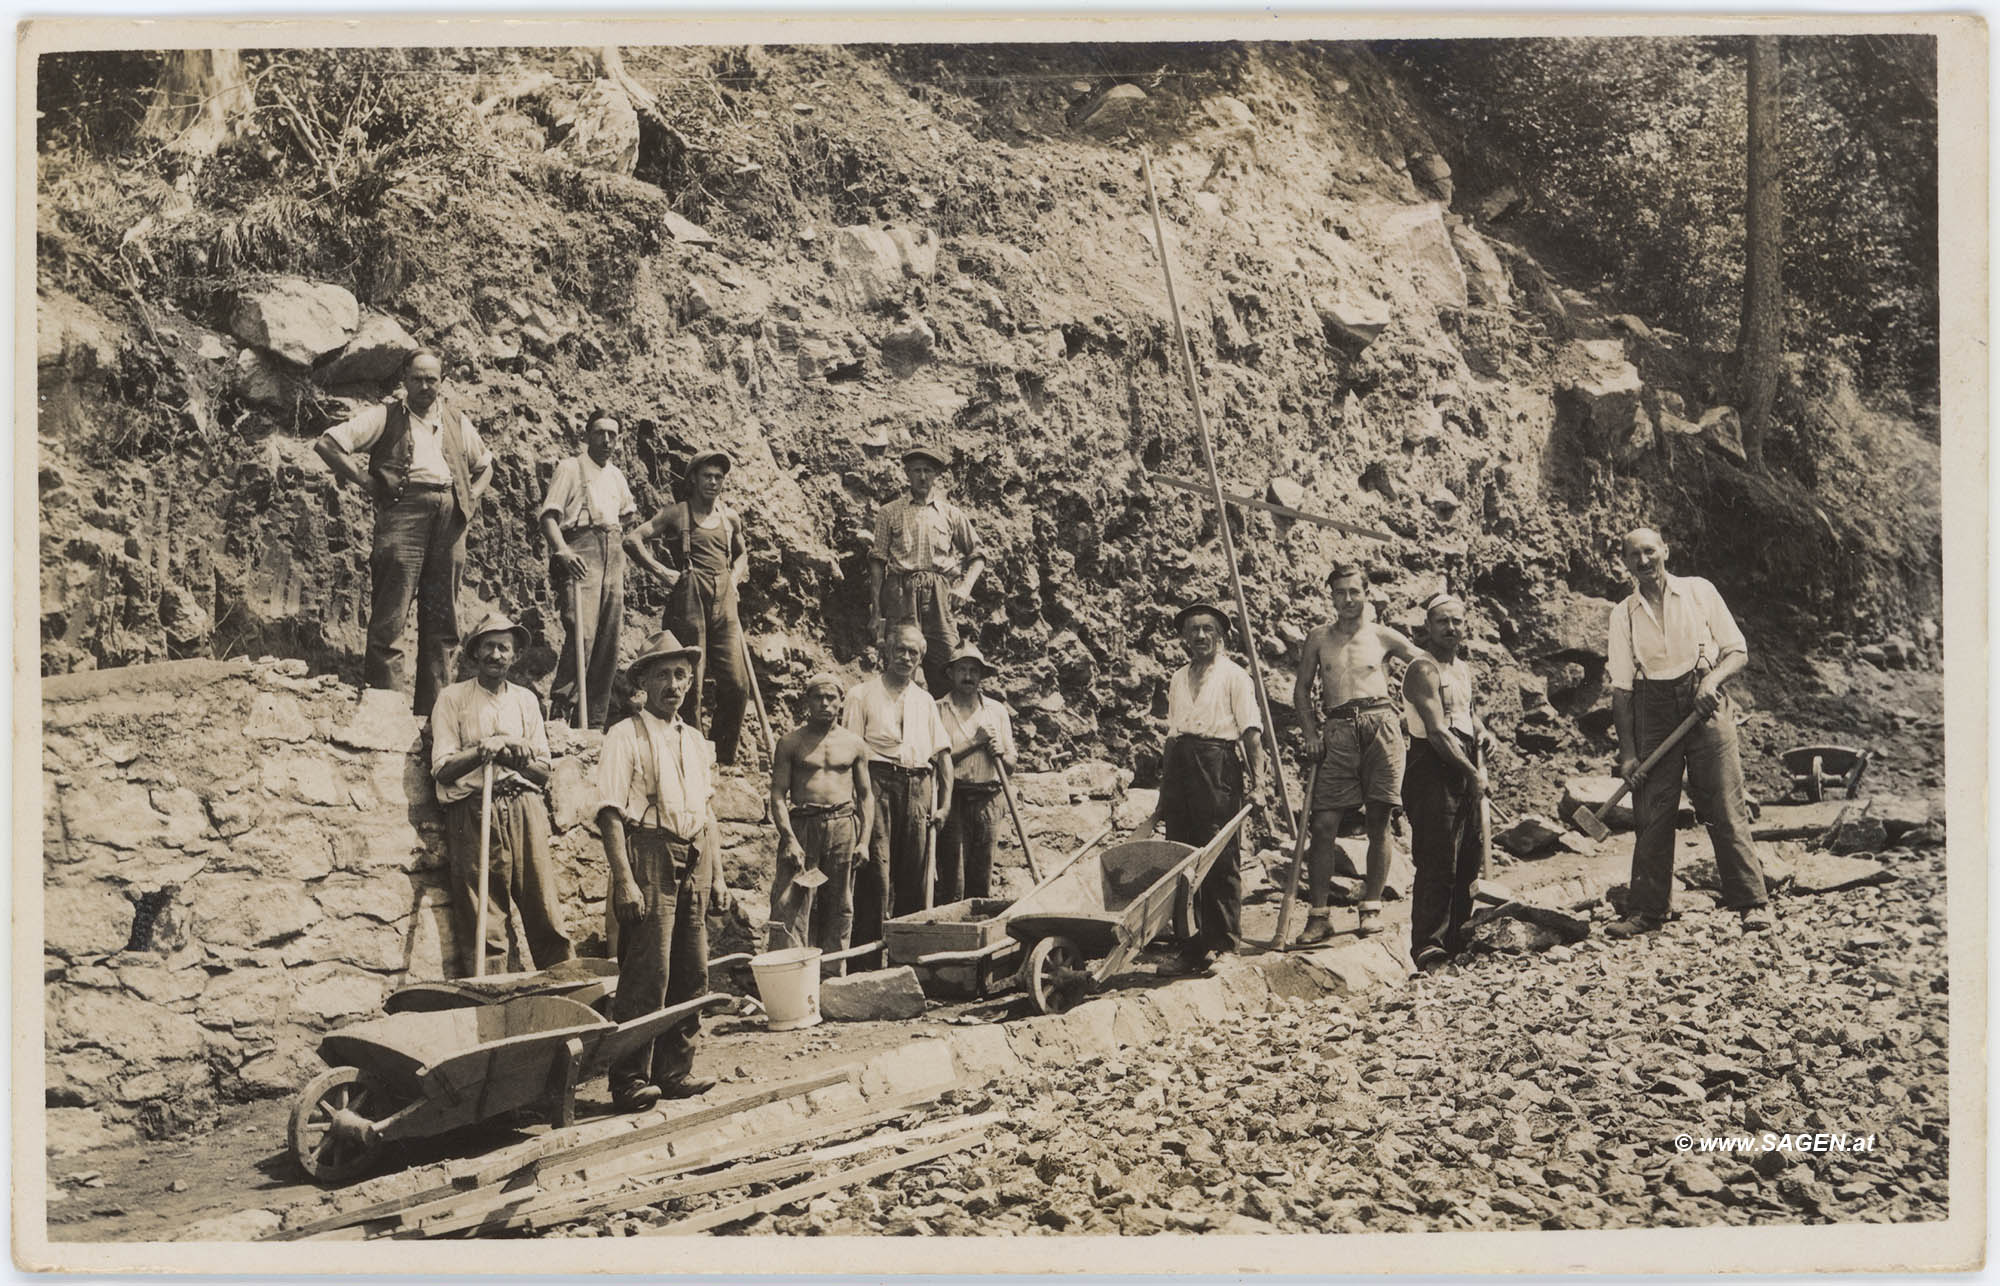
299	320
1486	280
1417	236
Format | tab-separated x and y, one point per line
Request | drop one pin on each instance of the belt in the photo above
1354	709
883	765
962	787
639	828
1212	741
820	810
427	486
568	532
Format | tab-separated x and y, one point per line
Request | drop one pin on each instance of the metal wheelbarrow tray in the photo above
1088	923
413	1075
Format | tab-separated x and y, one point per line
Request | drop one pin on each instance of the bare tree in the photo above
1760	344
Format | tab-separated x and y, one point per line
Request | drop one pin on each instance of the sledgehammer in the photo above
1592	824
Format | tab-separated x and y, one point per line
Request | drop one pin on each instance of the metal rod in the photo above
1283	511
1221	504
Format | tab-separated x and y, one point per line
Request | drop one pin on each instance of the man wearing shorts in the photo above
1354	732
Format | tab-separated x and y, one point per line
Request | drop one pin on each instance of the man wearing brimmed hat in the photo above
706	541
982	742
909	765
1353	729
1444	778
587	507
656	784
824	807
925	560
1211	763
487	720
425	467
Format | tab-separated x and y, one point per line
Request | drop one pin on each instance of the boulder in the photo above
867	267
1042	789
738	798
604	133
1815	872
1486	279
1354	317
1722	429
1576	627
910	342
1415	237
1593	793
262	381
1598	396
1863	834
374	356
918	249
874	996
299	320
1530	836
1096	779
1115	109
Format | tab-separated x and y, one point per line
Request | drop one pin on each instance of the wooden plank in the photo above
798	1192
1283	511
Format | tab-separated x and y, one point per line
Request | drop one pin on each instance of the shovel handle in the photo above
1014	811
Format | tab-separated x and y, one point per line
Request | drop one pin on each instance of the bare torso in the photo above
1351	666
822	764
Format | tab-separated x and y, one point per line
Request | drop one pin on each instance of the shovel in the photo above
1592	823
485	866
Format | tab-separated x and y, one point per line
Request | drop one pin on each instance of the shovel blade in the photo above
1586	821
809	879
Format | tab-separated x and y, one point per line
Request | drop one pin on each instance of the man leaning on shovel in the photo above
1662	637
588	504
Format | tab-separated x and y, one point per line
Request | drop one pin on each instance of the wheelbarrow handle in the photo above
629	1035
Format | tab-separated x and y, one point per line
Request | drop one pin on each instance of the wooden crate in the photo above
966	925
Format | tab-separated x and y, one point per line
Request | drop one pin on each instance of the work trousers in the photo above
965	844
418	552
519	872
1201	788
891	881
603	582
1708	759
663	956
821	917
923	599
700	616
1447	846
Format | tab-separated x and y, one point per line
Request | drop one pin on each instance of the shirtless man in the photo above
1355	735
824	808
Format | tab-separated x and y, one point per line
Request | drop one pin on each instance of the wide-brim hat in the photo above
971	652
926	451
1198	608
497	623
714	455
661	647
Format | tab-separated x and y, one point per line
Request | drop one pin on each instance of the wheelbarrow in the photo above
1818	769
586	980
1086	924
416	1074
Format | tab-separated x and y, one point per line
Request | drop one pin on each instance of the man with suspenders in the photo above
707	536
1443	780
588	503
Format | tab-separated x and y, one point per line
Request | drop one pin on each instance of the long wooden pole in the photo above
582	720
1014	810
1301	848
485	867
1283	511
1221	506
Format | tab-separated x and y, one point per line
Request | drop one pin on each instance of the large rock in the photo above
1830	872
872	266
1530	836
1486	280
876	995
299	320
262	381
131	1029
1598	395
1353	316
1722	429
604	133
86	920
1576	627
1593	793
1116	109
374	356
1417	240
1864	834
244	911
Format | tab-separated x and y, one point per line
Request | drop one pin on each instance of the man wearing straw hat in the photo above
487	721
1211	764
909	765
824	807
706	540
656	784
982	743
925	561
588	504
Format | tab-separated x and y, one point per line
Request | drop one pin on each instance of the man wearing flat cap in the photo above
925	561
588	505
705	541
909	766
1210	766
656	784
824	808
982	743
487	721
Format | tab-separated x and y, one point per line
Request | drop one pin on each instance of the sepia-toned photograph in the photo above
1183	651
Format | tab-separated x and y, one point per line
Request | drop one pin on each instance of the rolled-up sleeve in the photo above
1722	626
885	534
565	494
1618	648
1243	703
963	538
475	446
538	730
445	740
614	769
361	431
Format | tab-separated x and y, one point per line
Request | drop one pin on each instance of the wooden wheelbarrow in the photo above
416	1074
1086	924
1817	769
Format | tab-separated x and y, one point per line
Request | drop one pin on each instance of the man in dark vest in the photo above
425	467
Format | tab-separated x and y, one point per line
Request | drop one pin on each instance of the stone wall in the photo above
238	857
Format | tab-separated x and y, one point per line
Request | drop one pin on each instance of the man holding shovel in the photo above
824	808
909	765
487	729
982	747
588	505
1673	645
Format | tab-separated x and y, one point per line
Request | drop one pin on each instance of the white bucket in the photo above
788	984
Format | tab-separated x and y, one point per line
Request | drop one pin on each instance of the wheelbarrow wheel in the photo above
1815	784
332	1130
1055	975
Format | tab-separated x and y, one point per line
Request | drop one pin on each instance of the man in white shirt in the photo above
425	469
1673	645
1210	766
487	720
909	766
656	784
583	517
982	743
924	562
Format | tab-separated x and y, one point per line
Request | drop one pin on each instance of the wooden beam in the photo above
798	1192
1283	511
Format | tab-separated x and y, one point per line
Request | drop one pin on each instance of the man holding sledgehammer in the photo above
1662	638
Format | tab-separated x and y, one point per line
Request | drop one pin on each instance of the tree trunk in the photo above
1760	344
202	99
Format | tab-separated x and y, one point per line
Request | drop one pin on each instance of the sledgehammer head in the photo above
1587	822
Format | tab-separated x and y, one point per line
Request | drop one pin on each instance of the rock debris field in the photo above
1508	1091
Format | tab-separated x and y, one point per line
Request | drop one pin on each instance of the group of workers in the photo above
886	797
